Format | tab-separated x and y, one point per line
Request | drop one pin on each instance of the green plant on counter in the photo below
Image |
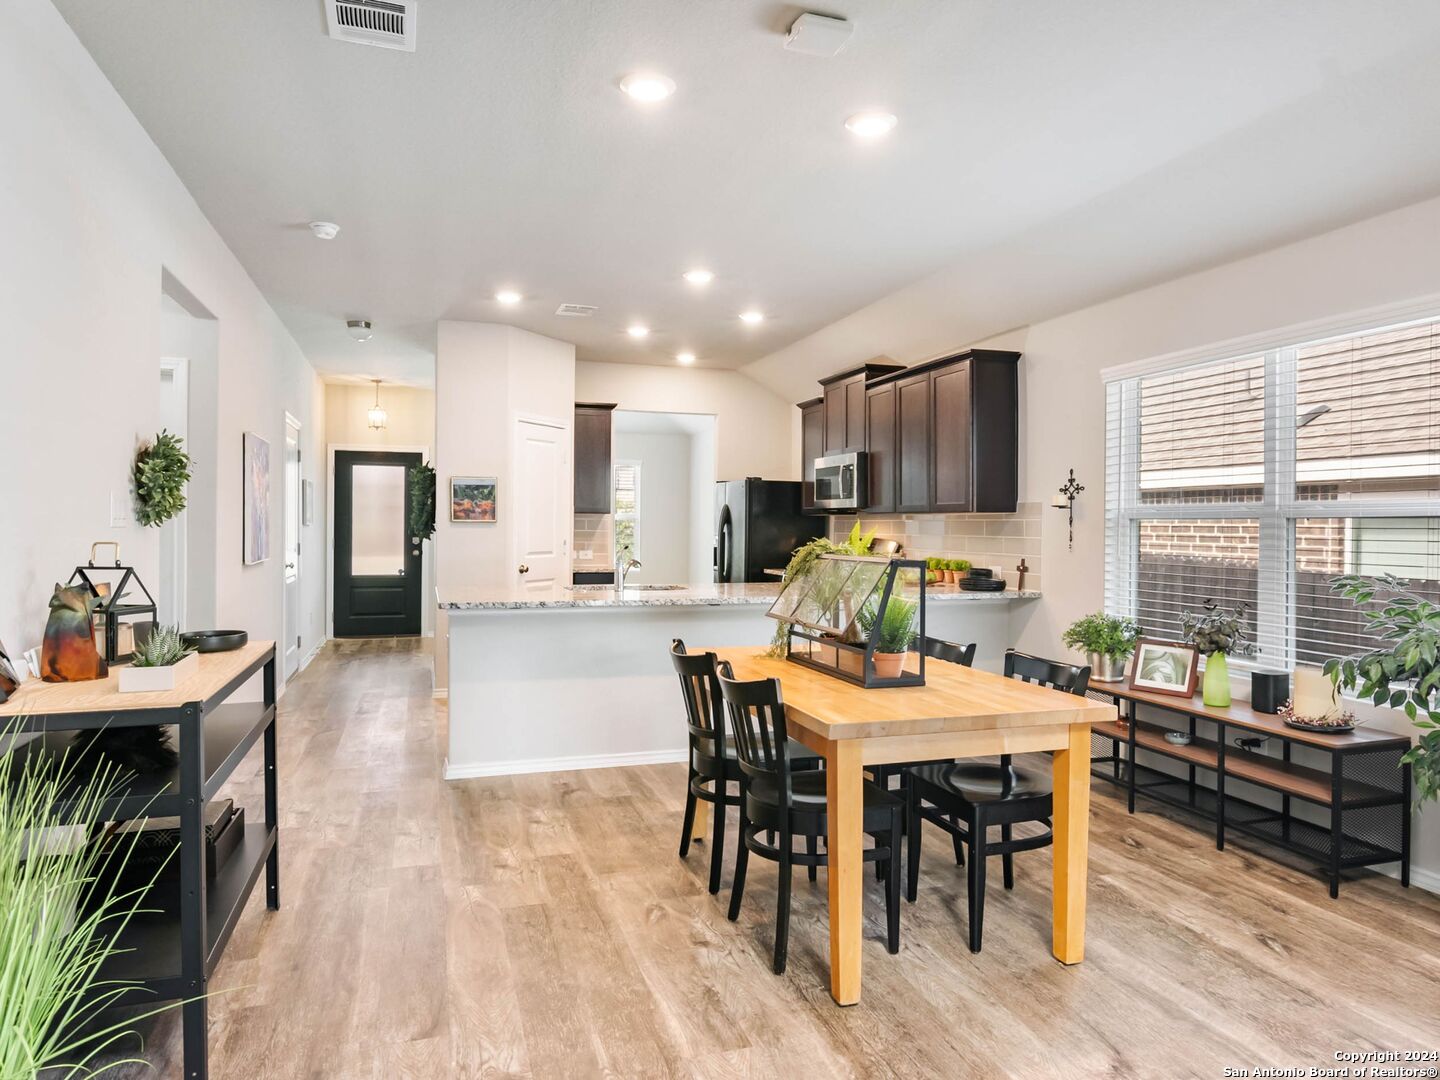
58	918
162	469
161	649
895	630
804	557
1404	673
422	501
1108	635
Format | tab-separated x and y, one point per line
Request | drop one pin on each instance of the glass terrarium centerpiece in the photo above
858	618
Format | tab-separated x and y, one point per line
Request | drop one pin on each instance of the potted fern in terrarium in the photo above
162	662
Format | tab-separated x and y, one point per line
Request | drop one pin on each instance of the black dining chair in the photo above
782	803
713	766
965	798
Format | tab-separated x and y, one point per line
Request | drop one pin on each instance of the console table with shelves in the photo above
1363	791
171	948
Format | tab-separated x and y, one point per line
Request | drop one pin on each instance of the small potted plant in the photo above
952	574
1217	633
893	633
932	570
1107	642
161	663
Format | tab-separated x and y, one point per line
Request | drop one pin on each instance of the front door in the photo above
377	567
542	495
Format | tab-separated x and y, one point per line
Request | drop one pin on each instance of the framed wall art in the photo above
256	494
472	499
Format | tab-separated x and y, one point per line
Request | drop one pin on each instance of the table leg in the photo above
846	870
1072	842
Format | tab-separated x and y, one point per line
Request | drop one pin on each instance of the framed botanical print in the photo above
472	499
1165	667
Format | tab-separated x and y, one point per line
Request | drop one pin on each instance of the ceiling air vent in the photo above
577	311
390	24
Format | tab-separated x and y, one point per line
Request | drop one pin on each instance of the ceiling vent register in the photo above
577	311
388	24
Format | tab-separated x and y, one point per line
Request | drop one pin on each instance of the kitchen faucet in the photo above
623	565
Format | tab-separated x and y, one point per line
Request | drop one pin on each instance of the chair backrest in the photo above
964	655
757	724
700	687
1067	678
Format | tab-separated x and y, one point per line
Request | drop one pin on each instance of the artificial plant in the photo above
894	631
162	469
802	559
422	501
1219	629
1107	635
1403	671
161	649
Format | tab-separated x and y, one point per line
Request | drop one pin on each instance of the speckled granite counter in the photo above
760	594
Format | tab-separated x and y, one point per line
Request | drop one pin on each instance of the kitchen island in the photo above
580	677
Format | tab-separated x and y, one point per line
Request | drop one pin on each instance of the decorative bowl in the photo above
1324	725
1177	738
208	641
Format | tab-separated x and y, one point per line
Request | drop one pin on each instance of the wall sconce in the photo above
377	416
1066	501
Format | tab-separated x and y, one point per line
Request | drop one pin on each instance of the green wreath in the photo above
162	469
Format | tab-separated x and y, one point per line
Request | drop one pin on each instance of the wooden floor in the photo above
543	926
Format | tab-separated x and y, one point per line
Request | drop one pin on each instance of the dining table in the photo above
959	712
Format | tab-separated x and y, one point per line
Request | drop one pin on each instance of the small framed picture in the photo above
1165	667
472	498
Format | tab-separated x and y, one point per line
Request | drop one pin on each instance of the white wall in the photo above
702	506
665	504
752	423
91	216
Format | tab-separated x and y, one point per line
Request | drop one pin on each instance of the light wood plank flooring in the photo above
543	926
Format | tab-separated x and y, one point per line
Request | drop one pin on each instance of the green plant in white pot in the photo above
893	634
1107	642
1404	672
162	662
1217	633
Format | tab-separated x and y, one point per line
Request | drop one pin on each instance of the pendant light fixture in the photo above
378	416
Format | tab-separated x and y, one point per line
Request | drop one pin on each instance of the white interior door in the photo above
541	498
174	418
292	545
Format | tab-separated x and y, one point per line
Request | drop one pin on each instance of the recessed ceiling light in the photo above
359	329
699	277
752	317
871	125
647	86
508	296
324	230
685	357
638	330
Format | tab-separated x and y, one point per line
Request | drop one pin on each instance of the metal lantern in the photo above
121	621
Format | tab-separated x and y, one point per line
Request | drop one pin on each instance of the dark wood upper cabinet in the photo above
912	444
880	445
943	436
812	445
593	485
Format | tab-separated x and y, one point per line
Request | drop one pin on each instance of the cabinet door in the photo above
855	414
834	418
880	443
812	445
912	444
592	461
951	424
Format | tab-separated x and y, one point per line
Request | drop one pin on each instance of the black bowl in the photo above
215	640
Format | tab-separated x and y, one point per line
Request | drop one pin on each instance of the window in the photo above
1258	478
627	508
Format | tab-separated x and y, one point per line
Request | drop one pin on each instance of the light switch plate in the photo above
119	509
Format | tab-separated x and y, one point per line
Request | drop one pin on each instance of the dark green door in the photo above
377	565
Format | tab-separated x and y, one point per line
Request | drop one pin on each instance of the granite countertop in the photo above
501	598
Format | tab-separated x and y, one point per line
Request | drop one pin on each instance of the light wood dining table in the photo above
959	712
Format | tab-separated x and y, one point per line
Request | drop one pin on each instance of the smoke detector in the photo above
324	230
359	329
387	24
576	311
818	35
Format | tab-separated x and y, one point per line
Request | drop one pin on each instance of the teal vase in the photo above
1216	687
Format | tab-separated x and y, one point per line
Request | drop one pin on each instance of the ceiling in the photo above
501	154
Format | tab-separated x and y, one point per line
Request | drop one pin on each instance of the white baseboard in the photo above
563	764
305	660
1420	878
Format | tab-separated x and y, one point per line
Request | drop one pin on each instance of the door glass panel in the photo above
377	520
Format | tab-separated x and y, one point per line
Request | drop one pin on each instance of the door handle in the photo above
402	571
522	568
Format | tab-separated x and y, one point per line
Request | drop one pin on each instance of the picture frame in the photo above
1165	667
473	500
255	490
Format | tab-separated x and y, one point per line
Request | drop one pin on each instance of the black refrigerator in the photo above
758	524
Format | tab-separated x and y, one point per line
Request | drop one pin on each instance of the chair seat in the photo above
808	797
981	782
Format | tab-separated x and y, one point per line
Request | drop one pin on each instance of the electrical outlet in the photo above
584	553
119	509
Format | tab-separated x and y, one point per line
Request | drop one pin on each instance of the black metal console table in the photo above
1365	790
171	952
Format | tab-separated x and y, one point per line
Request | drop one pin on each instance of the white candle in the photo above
1314	694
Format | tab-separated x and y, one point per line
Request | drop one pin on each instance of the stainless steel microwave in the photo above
840	481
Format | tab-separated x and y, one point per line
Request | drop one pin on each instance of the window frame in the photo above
1278	510
632	516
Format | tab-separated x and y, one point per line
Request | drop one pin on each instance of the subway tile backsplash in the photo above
596	533
999	540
